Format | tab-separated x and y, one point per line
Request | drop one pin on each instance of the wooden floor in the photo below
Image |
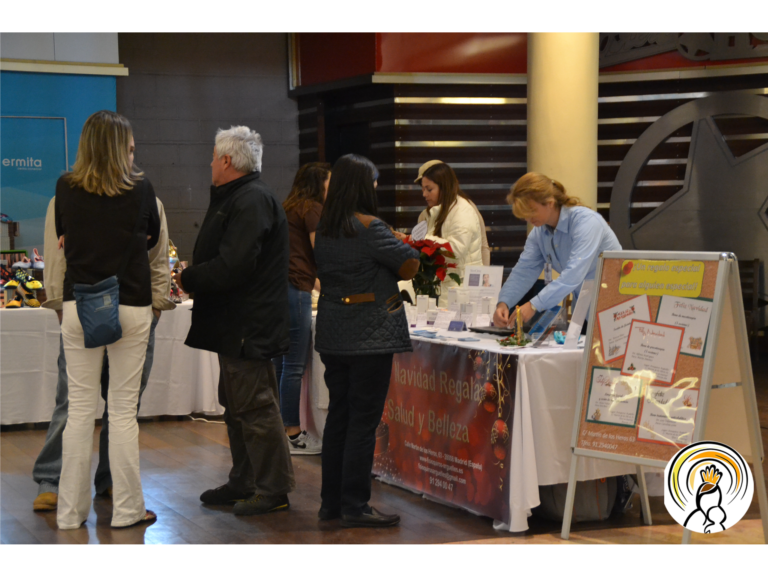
181	459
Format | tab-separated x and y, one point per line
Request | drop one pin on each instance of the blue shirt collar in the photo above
562	222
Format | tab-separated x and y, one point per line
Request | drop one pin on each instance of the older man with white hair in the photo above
239	280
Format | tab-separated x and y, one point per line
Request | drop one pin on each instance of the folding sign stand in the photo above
703	367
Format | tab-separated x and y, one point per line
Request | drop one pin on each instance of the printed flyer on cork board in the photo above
447	424
644	369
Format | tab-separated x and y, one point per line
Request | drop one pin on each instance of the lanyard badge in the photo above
548	271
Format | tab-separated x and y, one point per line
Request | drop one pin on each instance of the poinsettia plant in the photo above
433	267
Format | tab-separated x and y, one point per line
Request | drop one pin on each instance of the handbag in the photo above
98	304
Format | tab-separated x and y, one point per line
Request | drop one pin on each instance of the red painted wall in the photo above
453	53
325	57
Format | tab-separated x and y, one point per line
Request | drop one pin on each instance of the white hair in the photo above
241	144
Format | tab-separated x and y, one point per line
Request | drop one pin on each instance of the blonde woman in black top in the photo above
97	207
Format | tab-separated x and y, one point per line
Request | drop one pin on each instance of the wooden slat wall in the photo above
400	126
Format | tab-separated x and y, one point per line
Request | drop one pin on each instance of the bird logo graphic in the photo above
708	487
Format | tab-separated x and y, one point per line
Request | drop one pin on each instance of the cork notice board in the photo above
649	340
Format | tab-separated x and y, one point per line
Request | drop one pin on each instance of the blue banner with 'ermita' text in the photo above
33	155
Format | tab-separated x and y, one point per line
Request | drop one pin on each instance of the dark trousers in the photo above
261	460
357	387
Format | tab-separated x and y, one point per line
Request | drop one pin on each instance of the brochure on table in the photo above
482	282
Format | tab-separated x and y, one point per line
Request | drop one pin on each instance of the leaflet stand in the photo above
731	419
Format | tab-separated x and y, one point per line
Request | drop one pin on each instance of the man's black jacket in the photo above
239	273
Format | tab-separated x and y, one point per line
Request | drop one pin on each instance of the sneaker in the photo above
46	501
37	261
15	303
305	444
222	495
27	281
24	263
260	504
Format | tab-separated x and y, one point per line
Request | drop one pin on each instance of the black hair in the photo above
350	190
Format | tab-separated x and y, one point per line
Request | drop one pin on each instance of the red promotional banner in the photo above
446	427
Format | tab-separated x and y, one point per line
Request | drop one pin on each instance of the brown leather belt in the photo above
353	298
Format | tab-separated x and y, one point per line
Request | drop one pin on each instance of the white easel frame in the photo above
727	282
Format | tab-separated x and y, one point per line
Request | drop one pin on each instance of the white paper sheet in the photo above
690	313
652	351
613	398
579	315
443	319
668	415
614	323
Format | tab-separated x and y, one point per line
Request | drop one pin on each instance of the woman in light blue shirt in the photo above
567	237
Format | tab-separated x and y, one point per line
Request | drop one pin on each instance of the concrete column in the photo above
562	110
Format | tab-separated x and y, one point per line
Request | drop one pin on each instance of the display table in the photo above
183	380
542	387
539	411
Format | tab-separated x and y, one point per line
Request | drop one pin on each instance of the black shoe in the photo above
222	495
372	519
260	504
329	513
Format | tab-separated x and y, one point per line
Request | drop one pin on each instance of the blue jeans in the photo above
47	469
289	369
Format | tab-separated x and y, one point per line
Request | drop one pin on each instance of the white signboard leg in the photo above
569	497
644	504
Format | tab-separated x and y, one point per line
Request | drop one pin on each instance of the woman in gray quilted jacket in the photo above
361	324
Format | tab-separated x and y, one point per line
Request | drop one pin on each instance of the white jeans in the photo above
126	361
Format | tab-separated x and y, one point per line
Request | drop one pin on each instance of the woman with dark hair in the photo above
361	324
452	217
302	209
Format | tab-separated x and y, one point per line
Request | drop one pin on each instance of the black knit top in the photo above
98	233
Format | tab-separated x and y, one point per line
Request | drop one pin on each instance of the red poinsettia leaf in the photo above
439	259
440	273
447	247
451	265
447	254
429	250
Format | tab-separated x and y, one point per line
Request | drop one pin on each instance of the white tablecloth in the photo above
183	380
545	404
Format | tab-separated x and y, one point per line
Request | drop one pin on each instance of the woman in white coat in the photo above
452	217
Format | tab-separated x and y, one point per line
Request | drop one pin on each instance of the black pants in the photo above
357	387
261	459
